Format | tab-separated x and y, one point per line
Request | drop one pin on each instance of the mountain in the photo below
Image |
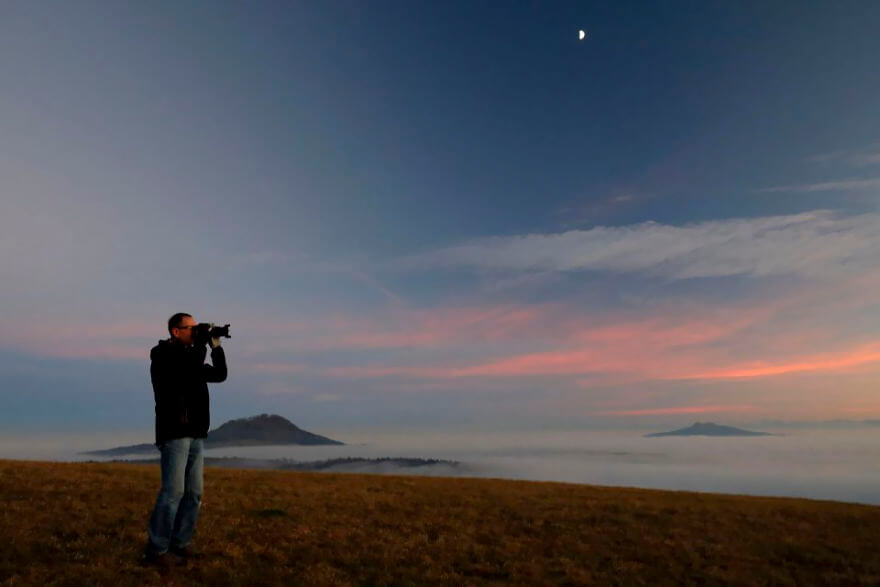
262	430
709	429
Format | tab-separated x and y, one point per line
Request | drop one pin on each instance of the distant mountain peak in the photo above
262	420
709	429
259	430
262	417
263	429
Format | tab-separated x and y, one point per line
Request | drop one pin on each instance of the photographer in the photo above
180	377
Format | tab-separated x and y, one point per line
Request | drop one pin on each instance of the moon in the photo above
581	34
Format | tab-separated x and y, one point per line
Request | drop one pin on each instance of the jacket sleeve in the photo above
165	383
215	373
157	379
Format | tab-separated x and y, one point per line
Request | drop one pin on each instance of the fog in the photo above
842	465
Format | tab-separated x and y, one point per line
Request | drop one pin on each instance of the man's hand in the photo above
214	342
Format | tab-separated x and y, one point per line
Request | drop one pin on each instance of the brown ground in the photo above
85	524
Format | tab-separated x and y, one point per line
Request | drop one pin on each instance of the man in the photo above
180	376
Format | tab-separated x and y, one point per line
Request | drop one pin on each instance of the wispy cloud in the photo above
816	243
128	339
594	210
279	368
866	159
678	410
842	185
855	157
826	362
627	365
648	348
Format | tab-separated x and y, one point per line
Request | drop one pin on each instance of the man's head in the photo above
180	326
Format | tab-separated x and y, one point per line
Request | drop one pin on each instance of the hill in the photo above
85	524
262	430
708	429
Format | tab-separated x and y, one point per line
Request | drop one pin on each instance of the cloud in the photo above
667	342
855	157
814	244
863	159
623	364
678	410
272	257
278	368
826	362
656	347
593	210
827	186
79	338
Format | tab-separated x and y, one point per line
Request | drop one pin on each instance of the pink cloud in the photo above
827	362
669	347
623	366
650	347
521	325
129	339
678	410
659	342
32	328
279	367
95	352
437	327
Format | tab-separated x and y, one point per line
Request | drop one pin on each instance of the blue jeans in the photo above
177	506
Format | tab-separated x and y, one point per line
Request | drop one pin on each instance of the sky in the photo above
440	214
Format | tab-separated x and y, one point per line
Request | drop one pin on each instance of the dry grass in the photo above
85	524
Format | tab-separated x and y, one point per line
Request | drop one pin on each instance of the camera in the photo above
203	331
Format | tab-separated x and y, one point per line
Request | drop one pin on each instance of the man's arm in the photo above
157	376
217	372
165	373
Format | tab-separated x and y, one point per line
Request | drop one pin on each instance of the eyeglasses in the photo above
183	327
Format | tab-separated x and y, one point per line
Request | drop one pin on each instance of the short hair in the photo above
174	321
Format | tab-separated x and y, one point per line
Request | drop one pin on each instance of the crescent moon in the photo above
581	35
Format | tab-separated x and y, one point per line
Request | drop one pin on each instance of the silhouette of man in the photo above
180	377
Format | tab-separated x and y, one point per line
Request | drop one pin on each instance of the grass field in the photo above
85	524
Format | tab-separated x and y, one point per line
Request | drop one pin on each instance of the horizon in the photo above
144	435
443	215
827	463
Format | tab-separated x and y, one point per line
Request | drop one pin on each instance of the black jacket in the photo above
180	387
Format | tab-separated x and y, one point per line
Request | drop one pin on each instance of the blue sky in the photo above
438	213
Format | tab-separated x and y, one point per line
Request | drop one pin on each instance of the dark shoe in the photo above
186	554
160	561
